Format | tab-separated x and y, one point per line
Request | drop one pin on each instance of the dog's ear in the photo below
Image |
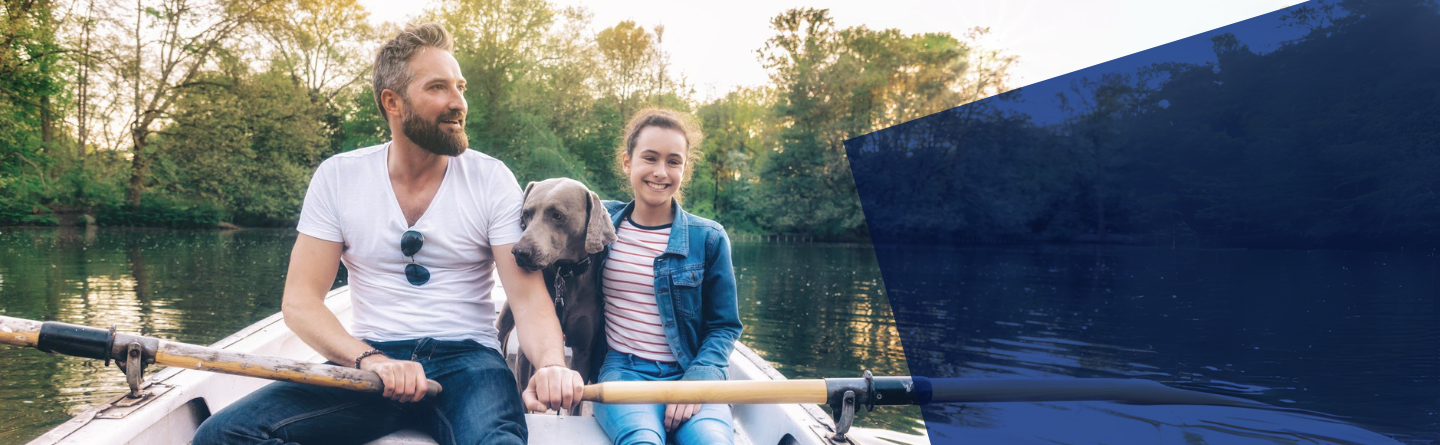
523	199
599	231
526	196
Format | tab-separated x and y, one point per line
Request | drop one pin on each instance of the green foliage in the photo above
239	125
31	72
262	141
739	131
18	214
833	85
159	211
361	124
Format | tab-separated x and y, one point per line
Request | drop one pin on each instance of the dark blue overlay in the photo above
1252	211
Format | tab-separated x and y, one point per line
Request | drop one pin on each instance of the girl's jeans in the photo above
645	424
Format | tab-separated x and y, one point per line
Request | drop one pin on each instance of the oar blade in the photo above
1129	391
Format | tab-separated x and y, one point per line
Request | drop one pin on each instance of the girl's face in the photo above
656	166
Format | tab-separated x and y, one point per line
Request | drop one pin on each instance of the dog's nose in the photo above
523	256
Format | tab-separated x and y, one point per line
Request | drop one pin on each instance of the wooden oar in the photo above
96	343
847	396
907	391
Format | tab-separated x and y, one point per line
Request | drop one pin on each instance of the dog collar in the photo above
572	269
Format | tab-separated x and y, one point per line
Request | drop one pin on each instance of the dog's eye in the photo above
558	216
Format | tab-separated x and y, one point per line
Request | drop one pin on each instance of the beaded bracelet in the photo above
366	354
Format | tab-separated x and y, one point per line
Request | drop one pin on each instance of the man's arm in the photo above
313	265
554	386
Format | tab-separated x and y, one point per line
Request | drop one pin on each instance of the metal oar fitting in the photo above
871	391
844	395
130	352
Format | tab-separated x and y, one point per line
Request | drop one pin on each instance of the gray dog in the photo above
566	227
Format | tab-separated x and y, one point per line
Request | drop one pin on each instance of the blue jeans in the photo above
479	404
645	424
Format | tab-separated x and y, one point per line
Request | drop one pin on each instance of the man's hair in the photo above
392	69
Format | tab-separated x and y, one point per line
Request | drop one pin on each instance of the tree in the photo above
324	46
186	36
629	60
739	128
262	138
833	85
30	81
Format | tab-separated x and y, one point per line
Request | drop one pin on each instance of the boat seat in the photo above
405	437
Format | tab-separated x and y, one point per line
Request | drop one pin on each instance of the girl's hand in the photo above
676	415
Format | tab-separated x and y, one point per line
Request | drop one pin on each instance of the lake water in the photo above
1352	335
812	310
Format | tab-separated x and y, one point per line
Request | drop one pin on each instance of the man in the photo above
420	223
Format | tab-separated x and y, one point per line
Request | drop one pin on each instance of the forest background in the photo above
192	113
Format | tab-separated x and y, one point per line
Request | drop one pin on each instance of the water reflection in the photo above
812	310
191	286
1345	333
818	311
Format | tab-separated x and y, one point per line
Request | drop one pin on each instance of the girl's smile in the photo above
656	169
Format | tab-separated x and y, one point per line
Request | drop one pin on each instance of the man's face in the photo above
434	104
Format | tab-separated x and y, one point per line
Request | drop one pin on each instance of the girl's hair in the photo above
661	118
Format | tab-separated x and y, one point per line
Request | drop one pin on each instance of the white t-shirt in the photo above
350	201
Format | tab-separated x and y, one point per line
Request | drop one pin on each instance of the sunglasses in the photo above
410	244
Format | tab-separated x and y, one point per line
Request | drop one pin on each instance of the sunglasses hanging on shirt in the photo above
410	244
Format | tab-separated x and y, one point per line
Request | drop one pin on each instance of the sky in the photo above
714	43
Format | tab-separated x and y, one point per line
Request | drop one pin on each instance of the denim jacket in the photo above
695	292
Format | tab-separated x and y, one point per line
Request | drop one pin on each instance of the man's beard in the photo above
429	136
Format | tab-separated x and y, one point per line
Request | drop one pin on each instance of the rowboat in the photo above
180	399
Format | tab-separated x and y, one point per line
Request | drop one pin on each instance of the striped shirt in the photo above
632	320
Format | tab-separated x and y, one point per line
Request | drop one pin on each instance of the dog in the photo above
565	230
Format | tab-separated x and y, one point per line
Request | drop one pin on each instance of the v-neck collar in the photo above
395	198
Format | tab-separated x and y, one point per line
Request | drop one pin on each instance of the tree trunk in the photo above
137	132
82	100
138	166
47	123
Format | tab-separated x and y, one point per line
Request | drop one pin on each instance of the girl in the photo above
670	305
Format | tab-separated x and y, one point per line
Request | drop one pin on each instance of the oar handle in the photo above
699	392
273	368
19	331
89	342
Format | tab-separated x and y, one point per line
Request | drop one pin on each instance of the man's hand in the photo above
554	387
404	380
676	415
